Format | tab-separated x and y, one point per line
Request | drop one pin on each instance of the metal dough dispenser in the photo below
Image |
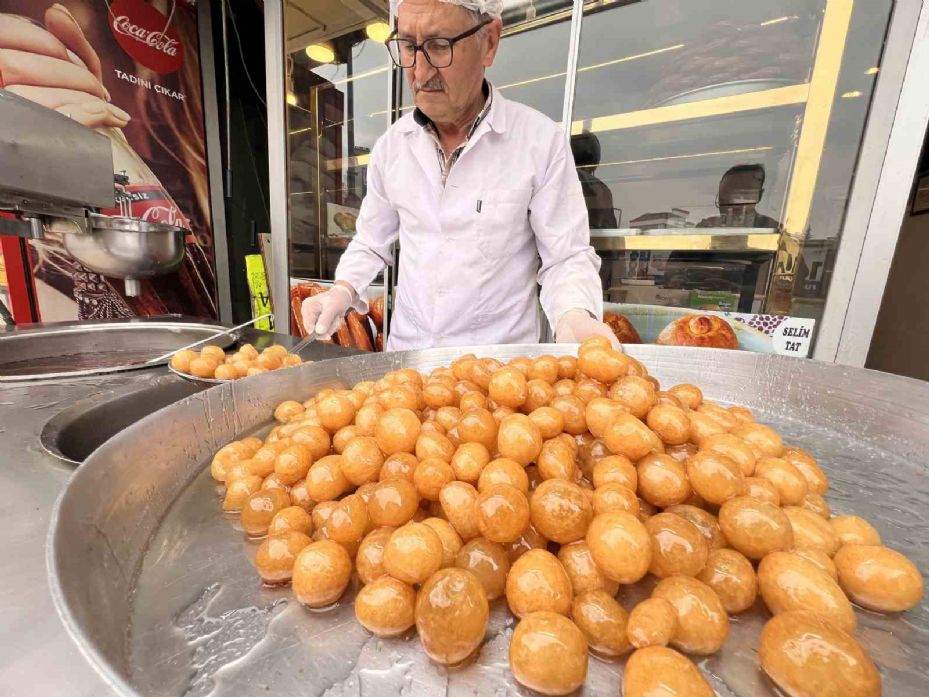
57	175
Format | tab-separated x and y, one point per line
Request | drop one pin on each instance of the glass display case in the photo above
716	141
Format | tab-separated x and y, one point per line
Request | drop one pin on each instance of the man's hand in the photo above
324	313
576	325
56	67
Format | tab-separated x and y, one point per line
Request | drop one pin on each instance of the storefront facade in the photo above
735	156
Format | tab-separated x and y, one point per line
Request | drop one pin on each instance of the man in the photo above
599	199
740	191
483	195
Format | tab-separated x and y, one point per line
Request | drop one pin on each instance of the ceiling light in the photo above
378	31
872	71
851	95
320	53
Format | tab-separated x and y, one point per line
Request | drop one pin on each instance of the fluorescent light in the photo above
872	71
378	31
852	95
291	99
778	20
320	53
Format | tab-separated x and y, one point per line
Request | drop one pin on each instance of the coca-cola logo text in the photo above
146	35
123	25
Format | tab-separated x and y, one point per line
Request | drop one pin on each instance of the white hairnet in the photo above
493	8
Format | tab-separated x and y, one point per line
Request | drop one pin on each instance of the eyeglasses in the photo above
438	50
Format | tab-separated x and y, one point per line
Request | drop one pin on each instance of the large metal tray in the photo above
75	349
157	587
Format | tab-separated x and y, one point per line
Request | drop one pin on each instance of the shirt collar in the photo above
492	113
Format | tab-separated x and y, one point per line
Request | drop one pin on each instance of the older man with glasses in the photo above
481	192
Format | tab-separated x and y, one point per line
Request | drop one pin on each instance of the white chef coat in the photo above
511	215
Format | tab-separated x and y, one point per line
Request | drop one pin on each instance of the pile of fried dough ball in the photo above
213	362
551	483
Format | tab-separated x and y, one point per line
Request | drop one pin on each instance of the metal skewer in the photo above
210	338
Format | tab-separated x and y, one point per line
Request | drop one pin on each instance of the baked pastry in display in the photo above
622	328
546	484
703	331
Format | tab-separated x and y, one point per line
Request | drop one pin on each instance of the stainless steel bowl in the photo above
159	590
126	247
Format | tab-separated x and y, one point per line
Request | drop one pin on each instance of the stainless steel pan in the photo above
158	589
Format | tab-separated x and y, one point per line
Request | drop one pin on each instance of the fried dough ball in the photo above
557	460
519	439
315	438
657	670
732	447
613	496
560	511
238	492
854	530
615	468
731	575
459	501
764	439
670	423
816	479
689	395
662	480
822	561
790	582
321	573
651	623
602	363
369	561
637	394
325	481
716	478
762	489
293	464
502	513
878	578
702	623
392	502
602	621
548	654
335	411
276	556
469	461
489	563
385	607
808	656
430	476
755	528
397	431
599	412
478	426
451	615
348	520
584	574
291	518
398	466
620	545
260	508
503	471
549	420
507	387
811	531
432	444
413	553
790	484
537	581
678	547
451	541
573	411
628	436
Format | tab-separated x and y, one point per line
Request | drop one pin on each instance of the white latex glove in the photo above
324	313
576	325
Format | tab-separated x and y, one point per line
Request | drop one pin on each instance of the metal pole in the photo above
574	49
228	173
277	163
214	159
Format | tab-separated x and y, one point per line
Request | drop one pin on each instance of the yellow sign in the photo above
258	289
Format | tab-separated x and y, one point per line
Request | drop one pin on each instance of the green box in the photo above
720	300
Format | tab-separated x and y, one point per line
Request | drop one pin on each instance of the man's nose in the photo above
422	71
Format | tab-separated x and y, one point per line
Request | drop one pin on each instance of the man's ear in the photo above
492	36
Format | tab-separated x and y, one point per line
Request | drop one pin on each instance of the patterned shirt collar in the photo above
445	163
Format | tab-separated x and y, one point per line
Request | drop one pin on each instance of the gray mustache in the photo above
432	83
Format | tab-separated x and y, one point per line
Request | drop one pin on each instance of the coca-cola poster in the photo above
131	70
